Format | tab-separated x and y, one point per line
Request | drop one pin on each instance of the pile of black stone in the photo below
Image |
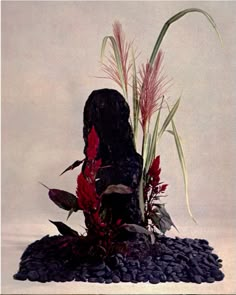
167	260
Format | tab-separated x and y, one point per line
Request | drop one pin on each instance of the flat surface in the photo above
16	238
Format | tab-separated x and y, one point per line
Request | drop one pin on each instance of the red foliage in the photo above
154	187
87	196
88	199
93	144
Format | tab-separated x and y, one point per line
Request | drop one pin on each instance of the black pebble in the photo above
92	280
154	280
167	258
218	275
100	273
33	275
197	279
126	277
20	276
163	278
210	280
101	280
115	279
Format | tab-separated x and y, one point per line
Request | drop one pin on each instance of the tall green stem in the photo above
173	19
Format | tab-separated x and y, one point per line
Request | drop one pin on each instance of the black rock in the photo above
20	276
115	279
108	112
124	269
154	280
140	278
98	267
197	279
92	280
217	275
126	277
167	258
141	262
33	275
210	280
163	278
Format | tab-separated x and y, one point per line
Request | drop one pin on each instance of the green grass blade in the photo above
172	20
169	118
152	149
183	165
135	99
149	143
141	199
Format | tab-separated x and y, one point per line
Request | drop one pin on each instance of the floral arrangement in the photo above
147	85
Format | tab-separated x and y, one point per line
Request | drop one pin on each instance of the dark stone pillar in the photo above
108	112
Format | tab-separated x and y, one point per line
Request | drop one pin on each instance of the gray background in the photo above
50	57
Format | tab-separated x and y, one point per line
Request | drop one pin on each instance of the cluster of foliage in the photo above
148	86
87	200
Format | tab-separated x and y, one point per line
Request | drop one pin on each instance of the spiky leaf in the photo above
64	229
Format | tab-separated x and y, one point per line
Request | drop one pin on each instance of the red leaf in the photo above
155	170
86	192
93	144
118	222
163	188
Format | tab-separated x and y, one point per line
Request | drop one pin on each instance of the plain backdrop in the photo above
50	64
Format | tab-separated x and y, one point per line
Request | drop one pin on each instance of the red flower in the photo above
155	170
163	188
88	199
87	196
93	144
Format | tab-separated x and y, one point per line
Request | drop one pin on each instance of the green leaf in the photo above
161	218
183	166
141	200
169	118
152	149
175	18
138	229
64	229
135	99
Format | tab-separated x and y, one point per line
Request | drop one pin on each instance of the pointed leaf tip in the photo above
64	229
44	185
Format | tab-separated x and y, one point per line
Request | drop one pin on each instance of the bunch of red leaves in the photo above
156	216
88	199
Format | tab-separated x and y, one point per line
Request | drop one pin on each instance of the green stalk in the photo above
135	100
175	18
152	148
182	163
